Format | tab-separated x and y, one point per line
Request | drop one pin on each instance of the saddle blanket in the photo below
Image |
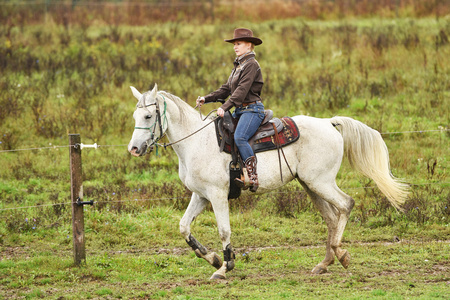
287	135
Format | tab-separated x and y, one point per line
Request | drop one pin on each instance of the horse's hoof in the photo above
319	270
213	259
230	265
216	276
345	259
217	261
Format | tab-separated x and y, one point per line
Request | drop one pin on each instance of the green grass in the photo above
140	254
392	74
390	270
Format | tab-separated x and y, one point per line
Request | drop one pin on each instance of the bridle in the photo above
156	123
161	124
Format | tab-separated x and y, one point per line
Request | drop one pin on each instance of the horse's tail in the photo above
367	152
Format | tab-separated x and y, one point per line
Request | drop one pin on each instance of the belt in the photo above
249	103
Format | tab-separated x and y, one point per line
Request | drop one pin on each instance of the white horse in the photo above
315	159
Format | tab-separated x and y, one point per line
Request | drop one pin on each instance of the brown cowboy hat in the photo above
244	34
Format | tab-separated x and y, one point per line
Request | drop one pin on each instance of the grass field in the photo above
58	75
274	258
381	271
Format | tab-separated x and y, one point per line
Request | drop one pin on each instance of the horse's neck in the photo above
183	120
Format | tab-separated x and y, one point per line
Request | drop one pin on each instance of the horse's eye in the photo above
148	117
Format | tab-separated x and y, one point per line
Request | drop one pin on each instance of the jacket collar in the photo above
240	60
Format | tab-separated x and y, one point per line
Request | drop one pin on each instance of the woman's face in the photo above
242	47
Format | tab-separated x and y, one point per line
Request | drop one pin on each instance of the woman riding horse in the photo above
244	88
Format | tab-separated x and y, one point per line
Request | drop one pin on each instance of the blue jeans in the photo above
250	117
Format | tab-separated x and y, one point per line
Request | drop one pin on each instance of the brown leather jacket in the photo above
243	86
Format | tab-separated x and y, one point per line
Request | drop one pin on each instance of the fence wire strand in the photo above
31	149
415	131
123	145
175	198
178	198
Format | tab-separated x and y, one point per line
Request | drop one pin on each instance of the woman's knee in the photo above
240	140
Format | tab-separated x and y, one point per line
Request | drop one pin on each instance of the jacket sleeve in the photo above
221	94
247	78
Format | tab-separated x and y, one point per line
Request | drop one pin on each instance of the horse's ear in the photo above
154	92
136	93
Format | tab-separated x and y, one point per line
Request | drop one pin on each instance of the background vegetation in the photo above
143	12
67	69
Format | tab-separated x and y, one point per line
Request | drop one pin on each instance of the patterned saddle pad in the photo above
287	135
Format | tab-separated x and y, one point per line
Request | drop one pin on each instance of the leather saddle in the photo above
226	127
273	133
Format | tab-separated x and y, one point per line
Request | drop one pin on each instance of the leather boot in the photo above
250	163
252	182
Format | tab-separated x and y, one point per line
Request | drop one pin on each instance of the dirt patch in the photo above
8	253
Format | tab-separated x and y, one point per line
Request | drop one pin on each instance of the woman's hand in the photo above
200	101
220	112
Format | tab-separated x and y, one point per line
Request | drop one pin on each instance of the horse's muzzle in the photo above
135	151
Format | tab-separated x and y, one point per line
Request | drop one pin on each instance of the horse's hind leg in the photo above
330	216
195	207
342	205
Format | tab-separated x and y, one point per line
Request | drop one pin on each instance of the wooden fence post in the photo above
77	196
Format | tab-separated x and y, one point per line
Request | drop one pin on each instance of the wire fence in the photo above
185	198
178	198
123	145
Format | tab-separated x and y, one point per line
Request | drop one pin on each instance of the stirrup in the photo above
240	182
243	181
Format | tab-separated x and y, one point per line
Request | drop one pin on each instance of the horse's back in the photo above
315	128
320	147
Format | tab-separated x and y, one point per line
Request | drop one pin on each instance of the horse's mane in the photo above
185	110
182	105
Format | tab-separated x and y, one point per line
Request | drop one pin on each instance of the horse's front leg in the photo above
195	207
221	211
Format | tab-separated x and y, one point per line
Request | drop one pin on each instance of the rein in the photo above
170	144
203	119
158	120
